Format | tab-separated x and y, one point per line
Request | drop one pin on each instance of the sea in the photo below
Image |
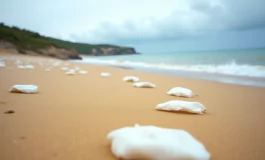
242	67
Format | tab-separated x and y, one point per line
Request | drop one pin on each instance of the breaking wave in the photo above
231	68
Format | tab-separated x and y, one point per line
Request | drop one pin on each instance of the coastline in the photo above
215	77
71	115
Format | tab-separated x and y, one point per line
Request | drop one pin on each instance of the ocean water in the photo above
245	67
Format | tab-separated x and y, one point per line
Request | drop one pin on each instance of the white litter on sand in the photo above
2	64
178	105
48	70
83	72
155	143
70	72
105	74
55	64
144	85
26	67
66	64
64	68
130	79
24	89
181	92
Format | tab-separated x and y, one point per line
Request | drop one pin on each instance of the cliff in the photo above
27	42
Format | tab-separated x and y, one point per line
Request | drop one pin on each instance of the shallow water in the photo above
244	67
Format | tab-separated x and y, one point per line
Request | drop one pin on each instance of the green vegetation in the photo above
27	40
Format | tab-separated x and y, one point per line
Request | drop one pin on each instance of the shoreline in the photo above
71	115
215	77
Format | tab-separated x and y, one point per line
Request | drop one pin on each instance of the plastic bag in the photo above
24	89
155	143
83	72
130	79
2	64
105	74
178	105
70	72
181	92
144	85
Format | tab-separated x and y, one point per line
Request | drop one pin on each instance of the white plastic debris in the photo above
155	143
144	85
29	67
130	79
178	105
2	64
64	68
55	64
70	72
66	64
26	66
48	70
105	74
83	72
180	92
24	89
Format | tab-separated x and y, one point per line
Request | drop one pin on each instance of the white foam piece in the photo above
55	64
178	105
26	66
181	92
64	68
29	67
105	74
24	89
48	70
144	85
130	79
83	72
70	72
66	64
155	143
2	64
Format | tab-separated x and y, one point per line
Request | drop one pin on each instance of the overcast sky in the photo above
148	25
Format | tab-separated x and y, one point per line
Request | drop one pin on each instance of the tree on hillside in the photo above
2	24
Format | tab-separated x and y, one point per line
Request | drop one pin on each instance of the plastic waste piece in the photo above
130	79
144	85
178	105
24	89
181	92
83	72
155	143
105	74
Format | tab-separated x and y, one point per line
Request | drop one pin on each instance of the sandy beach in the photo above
70	116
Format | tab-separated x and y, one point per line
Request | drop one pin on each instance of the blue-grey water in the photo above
246	67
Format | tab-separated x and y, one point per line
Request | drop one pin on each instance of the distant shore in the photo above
72	114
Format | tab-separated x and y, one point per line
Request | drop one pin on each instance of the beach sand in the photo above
72	114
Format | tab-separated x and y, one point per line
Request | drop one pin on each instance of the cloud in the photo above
137	21
192	18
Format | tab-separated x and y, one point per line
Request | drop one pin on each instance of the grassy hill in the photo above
27	40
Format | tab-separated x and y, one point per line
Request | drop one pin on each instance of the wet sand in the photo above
71	115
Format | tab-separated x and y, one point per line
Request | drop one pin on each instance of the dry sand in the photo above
71	115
